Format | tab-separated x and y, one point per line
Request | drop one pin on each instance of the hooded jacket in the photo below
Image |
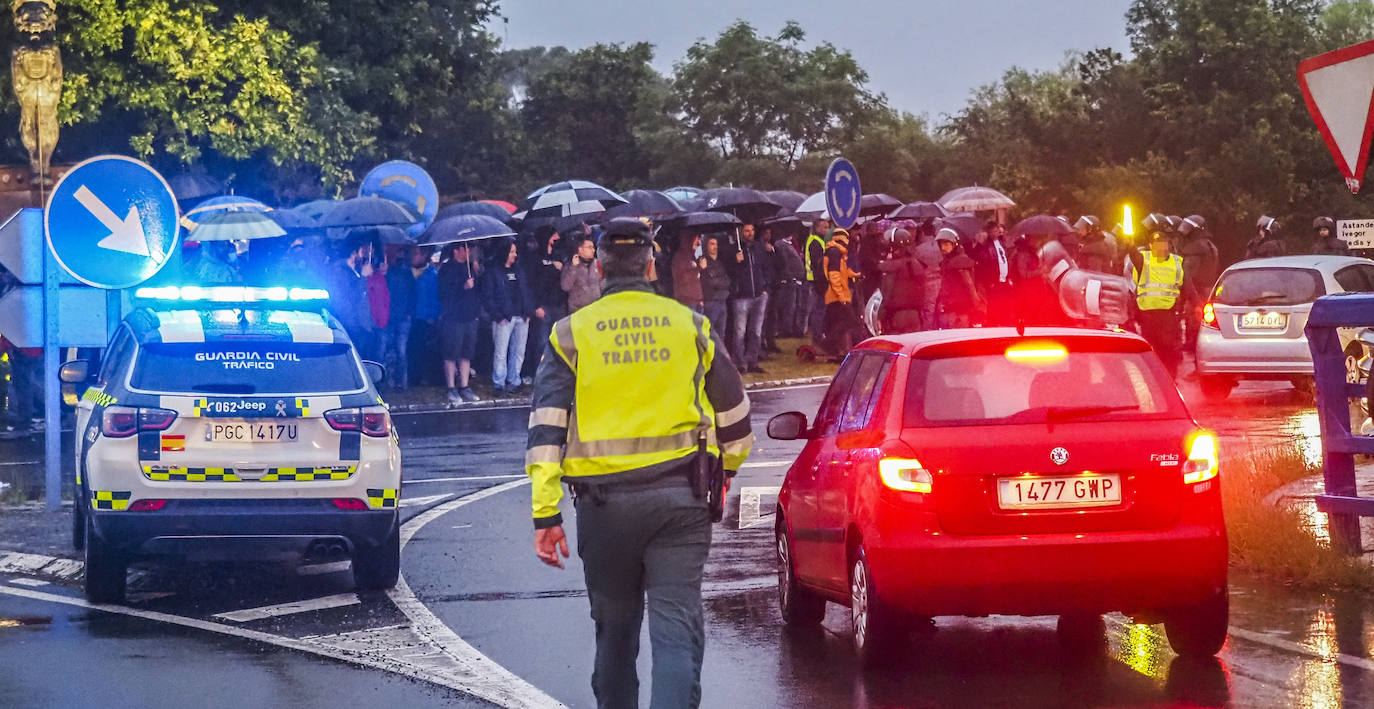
837	270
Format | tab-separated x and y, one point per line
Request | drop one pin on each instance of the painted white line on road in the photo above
750	505
31	583
767	464
466	479
315	604
1262	639
422	501
793	387
483	677
332	567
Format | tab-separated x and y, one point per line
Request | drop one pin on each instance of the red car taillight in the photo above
1209	317
1201	465
905	475
371	421
125	421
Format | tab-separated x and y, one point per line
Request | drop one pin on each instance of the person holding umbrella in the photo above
685	271
348	291
749	300
507	300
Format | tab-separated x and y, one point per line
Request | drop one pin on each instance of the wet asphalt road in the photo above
228	635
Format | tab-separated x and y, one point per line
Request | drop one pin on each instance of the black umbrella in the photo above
789	199
705	220
485	209
872	205
367	211
463	228
1042	224
919	210
643	203
188	187
749	205
967	225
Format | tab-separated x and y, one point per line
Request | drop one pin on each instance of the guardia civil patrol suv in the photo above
232	422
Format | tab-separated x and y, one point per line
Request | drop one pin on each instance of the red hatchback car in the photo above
985	471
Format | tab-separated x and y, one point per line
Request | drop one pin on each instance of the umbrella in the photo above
975	199
565	203
1042	224
968	225
747	204
463	228
367	211
316	208
233	226
812	207
789	199
644	203
486	209
705	220
872	205
510	208
225	203
919	210
384	234
187	187
680	193
292	220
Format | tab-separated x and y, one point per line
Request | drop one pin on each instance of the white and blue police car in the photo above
232	422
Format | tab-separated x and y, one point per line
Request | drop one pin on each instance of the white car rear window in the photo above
1269	286
246	368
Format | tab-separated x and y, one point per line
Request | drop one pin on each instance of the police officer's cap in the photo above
627	232
1324	223
1158	236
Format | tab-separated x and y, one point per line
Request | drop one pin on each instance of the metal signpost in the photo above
110	223
843	193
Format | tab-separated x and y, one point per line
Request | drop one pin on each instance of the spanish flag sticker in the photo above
173	444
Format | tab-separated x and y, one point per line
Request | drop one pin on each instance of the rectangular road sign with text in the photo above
1356	233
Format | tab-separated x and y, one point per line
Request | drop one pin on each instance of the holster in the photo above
708	479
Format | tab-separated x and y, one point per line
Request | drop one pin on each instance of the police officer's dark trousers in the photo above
637	542
1161	329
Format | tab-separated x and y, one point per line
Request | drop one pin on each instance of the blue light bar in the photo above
231	294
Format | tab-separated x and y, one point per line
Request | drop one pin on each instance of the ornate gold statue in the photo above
36	67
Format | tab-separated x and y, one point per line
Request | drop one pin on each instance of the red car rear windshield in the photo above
1111	380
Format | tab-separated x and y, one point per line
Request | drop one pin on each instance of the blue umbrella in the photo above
384	234
367	211
234	226
486	209
680	192
462	228
292	220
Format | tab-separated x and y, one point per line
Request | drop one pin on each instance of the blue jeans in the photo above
716	311
747	325
508	355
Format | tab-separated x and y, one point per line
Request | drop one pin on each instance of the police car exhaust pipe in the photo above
326	550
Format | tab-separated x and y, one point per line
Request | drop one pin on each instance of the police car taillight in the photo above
125	421
370	421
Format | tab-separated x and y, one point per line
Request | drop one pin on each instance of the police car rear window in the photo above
246	368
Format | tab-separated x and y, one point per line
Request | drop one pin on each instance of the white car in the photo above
232	422
1252	324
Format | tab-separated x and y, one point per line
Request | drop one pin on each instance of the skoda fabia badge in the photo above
1059	455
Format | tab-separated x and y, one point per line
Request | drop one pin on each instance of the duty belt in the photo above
596	492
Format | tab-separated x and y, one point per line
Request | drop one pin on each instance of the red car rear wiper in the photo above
1065	413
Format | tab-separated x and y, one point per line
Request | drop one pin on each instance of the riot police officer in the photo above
1098	250
1267	242
1201	265
1324	239
634	399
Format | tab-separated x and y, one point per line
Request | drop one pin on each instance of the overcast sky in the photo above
926	55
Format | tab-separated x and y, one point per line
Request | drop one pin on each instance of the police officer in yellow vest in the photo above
630	389
813	254
1159	296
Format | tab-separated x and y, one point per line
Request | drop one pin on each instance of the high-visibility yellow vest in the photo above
1159	283
640	362
806	254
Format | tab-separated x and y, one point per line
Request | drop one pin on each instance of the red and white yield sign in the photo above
1339	89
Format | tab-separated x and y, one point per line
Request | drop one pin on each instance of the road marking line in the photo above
467	479
32	583
750	512
1293	647
421	501
485	678
332	567
767	464
315	604
792	387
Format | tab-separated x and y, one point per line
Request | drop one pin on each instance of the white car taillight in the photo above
125	421
1201	465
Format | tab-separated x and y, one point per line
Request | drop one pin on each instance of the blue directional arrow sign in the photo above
842	193
408	184
111	222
